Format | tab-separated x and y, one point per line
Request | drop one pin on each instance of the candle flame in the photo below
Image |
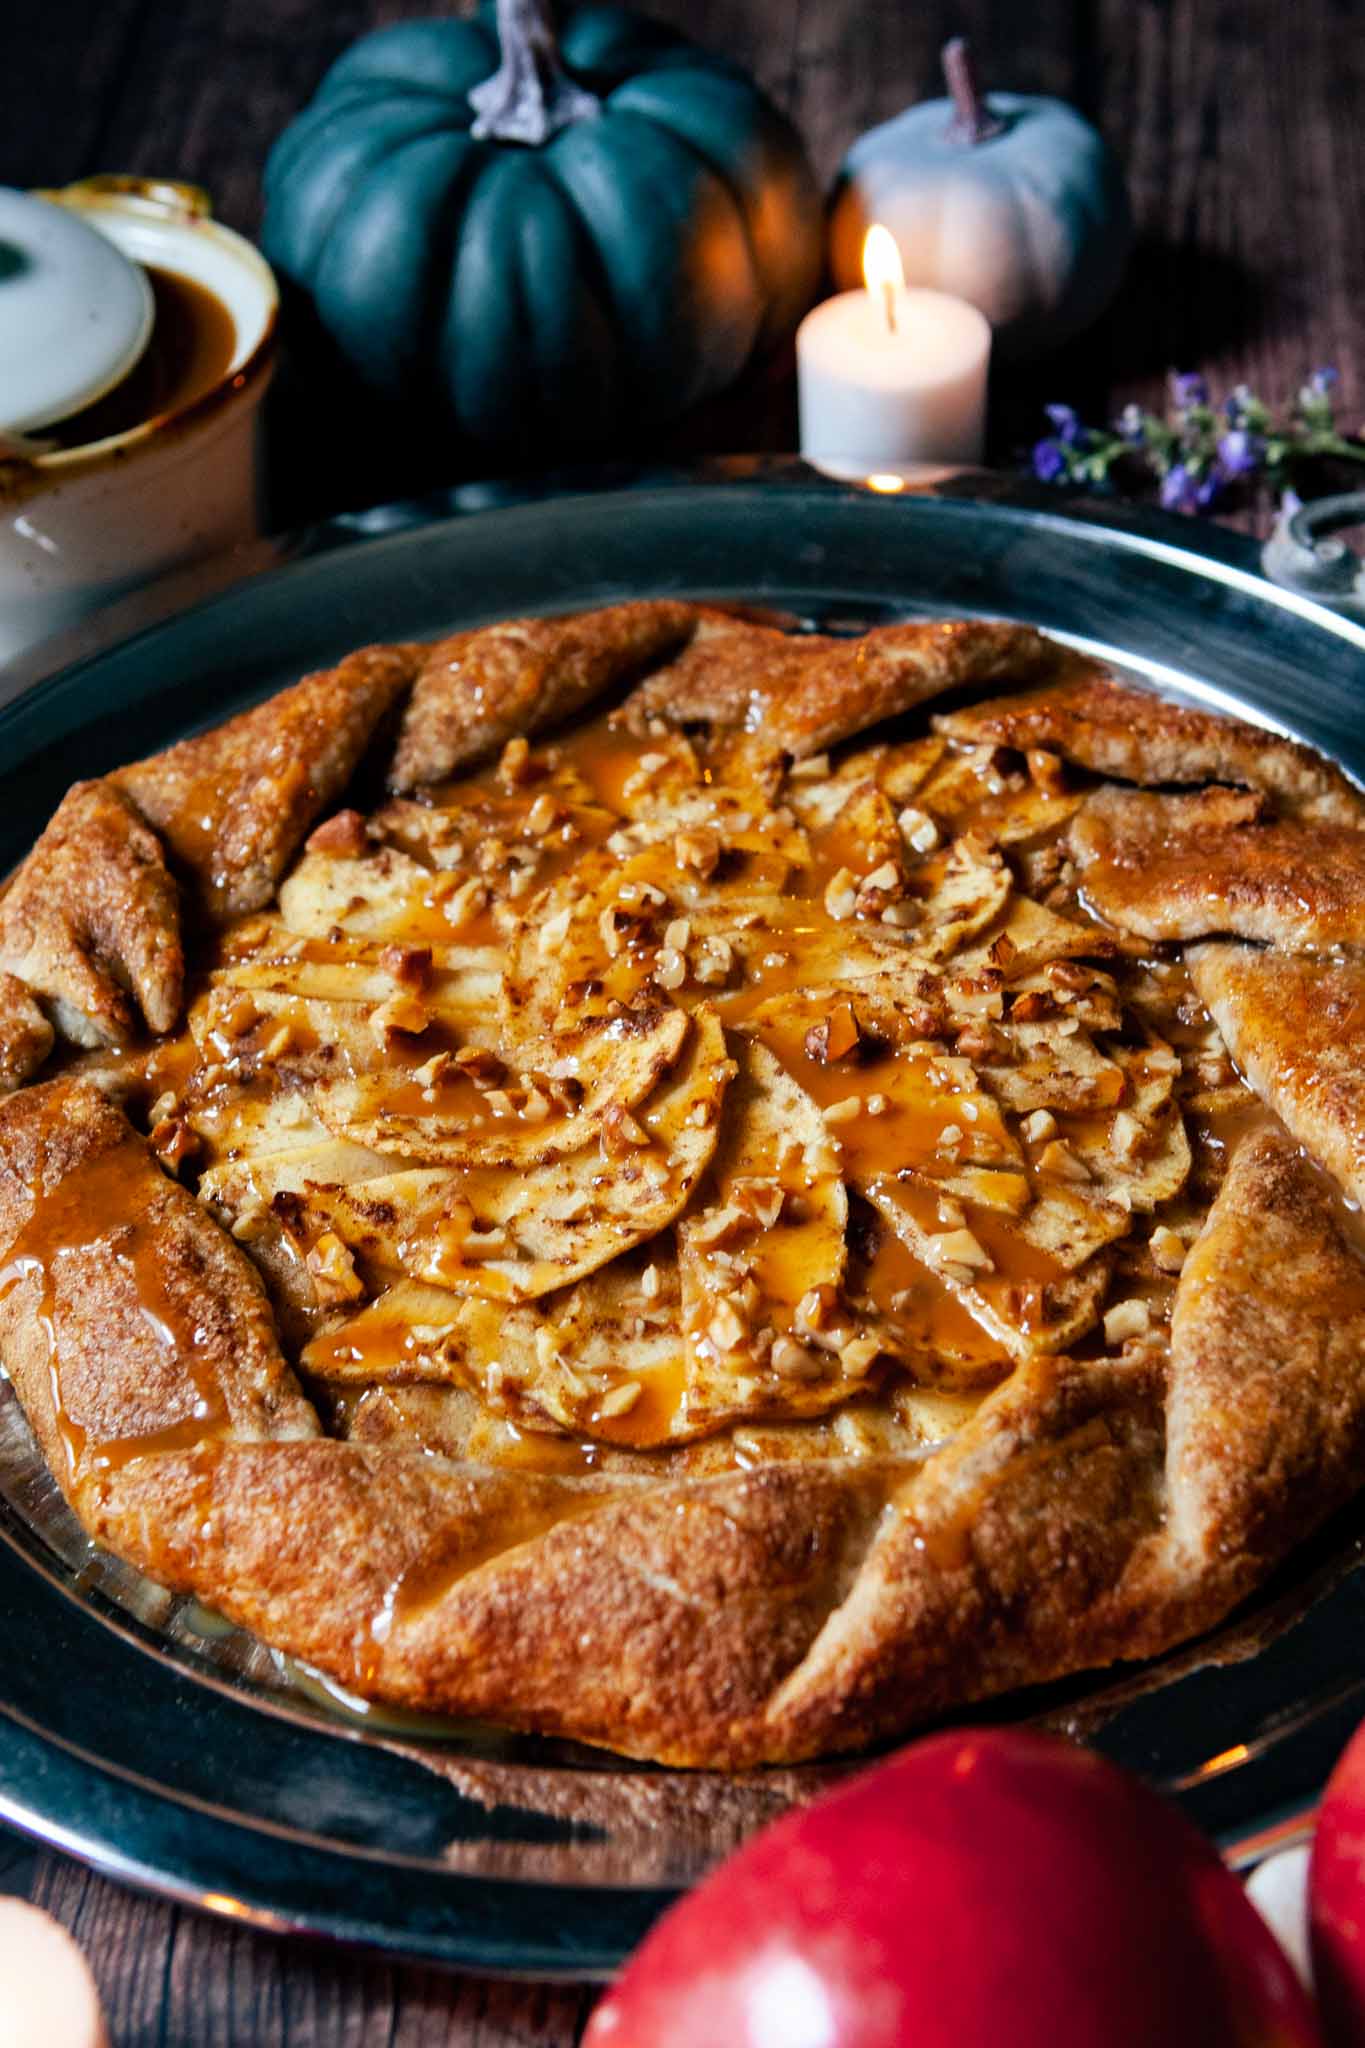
882	264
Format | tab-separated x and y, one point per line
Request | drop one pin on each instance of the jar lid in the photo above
75	312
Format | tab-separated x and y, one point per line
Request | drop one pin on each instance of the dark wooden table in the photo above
1240	124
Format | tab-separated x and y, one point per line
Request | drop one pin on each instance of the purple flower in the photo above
1240	452
1322	380
1208	489
1238	404
1179	490
1130	425
1067	421
1188	388
1290	501
1049	461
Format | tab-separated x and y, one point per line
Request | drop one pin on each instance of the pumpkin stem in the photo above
530	96
972	119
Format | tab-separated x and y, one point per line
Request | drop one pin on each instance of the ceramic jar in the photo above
83	521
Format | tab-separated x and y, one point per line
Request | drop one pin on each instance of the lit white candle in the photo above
890	374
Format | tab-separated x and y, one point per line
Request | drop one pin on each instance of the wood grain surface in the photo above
1240	125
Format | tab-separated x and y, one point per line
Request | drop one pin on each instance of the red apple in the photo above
1336	1898
987	1888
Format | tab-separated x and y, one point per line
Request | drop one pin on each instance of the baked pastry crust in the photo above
1052	1349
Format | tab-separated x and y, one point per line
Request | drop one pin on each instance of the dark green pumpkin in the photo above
627	267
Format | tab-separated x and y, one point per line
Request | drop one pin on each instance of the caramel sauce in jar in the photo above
193	341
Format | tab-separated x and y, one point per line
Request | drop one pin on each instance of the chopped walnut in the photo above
877	891
960	1248
814	768
845	1110
1126	1135
1059	1162
405	1014
918	830
410	965
980	1041
619	1400
1033	1006
835	1037
609	930
483	1068
761	1197
1047	770
1168	1250
1126	1319
1038	1126
638	895
554	931
727	1326
515	766
719	1226
817	1310
714	962
792	1361
670	968
174	1142
621	1133
841	895
859	1355
252	1221
333	1272
901	916
699	848
236	1018
542	815
466	903
344	835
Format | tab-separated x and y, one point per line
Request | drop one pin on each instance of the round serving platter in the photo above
138	1732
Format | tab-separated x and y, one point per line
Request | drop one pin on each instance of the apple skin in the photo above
985	1887
1336	1899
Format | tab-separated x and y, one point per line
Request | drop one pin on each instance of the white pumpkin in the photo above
1012	202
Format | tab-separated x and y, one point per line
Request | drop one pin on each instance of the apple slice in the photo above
986	1886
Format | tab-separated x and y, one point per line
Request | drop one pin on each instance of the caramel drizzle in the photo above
107	1204
586	778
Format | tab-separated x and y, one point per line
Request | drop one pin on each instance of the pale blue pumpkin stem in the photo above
972	119
530	97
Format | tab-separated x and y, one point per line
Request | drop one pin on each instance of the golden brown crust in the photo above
977	1582
92	918
1266	1411
1190	867
659	1622
234	803
1114	729
1295	1025
479	689
26	1037
808	693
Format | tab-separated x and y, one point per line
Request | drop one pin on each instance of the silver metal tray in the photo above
174	1753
